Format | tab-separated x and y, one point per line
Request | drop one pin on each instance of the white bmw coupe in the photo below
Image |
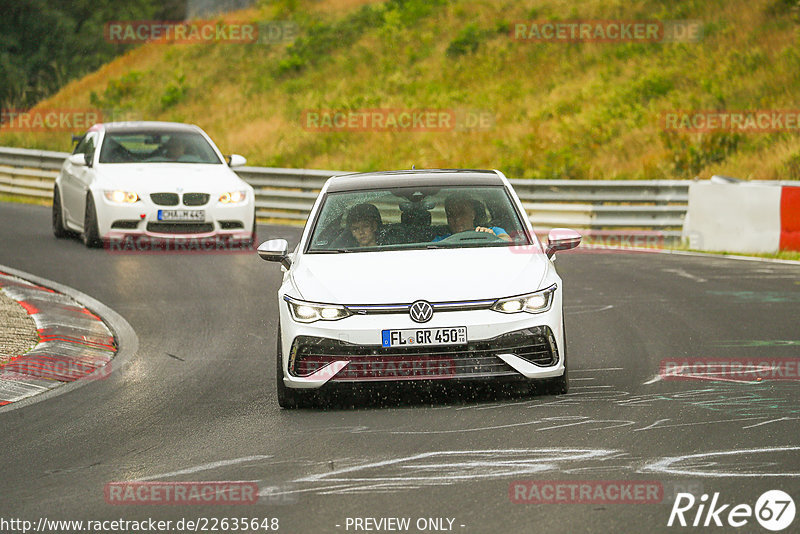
151	180
419	275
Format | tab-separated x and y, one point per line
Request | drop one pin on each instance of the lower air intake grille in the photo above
476	359
128	225
179	228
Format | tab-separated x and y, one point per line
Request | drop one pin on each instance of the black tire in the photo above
59	230
560	384
288	398
91	234
250	242
253	236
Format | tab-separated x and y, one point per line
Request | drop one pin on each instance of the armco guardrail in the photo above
29	173
613	207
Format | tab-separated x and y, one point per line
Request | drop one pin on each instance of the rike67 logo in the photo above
774	510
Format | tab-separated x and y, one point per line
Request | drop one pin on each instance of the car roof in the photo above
133	126
414	178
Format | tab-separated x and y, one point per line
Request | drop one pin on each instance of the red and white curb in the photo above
74	343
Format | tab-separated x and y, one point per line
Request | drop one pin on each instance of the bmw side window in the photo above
89	145
80	148
86	146
89	150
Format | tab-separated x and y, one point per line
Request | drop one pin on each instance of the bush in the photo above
117	91
688	158
174	93
792	167
322	38
466	41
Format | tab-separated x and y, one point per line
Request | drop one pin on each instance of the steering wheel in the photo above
471	236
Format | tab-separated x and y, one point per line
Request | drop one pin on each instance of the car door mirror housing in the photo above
561	239
235	160
275	250
77	159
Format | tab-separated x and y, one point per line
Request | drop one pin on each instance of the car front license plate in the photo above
181	215
454	335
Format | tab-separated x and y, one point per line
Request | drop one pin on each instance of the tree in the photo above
45	44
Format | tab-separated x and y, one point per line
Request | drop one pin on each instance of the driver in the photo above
460	210
175	148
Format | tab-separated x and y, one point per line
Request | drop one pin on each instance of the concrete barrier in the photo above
735	216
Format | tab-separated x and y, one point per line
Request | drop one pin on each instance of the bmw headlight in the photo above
309	312
537	302
233	197
122	197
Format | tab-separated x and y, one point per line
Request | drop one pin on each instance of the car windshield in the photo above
156	147
416	218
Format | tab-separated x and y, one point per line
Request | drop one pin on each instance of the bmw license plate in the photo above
182	215
454	335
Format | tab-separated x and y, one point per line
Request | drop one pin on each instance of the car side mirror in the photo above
275	250
235	160
77	159
561	239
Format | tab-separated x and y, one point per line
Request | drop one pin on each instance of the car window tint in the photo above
150	146
86	145
410	219
79	148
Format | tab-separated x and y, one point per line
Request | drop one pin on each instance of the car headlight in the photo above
233	197
537	302
309	312
122	197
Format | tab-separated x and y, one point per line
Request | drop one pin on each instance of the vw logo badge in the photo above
421	311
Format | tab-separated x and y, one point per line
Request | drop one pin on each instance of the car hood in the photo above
155	177
434	275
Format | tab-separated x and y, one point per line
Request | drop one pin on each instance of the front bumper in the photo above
140	219
499	346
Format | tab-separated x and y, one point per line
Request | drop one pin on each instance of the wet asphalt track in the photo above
197	402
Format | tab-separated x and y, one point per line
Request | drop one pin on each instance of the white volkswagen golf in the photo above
416	276
151	180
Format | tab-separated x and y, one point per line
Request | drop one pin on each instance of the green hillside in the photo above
580	110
